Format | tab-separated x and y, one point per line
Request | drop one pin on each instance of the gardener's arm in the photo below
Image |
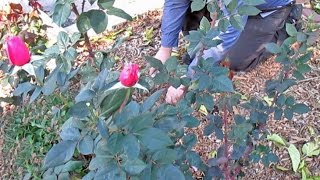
229	38
173	16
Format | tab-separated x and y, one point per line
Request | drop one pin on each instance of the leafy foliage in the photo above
112	135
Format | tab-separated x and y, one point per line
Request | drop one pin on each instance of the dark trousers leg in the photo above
249	50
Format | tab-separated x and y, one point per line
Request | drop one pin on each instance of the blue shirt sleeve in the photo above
173	16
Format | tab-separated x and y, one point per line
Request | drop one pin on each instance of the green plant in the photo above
315	5
112	134
299	157
148	35
32	129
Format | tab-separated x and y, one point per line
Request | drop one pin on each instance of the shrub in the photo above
113	135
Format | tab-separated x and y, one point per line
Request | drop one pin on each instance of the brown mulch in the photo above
249	84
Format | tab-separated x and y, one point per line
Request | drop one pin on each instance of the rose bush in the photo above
111	133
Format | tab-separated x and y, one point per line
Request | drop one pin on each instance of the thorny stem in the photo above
86	37
83	3
226	149
125	101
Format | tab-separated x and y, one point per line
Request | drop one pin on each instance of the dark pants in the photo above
249	50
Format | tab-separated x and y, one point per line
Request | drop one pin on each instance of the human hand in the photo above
163	54
175	94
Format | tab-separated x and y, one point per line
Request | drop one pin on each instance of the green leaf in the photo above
140	122
189	140
113	173
222	84
150	101
72	166
85	95
23	88
288	113
194	159
63	40
156	63
71	133
134	167
197	5
79	110
169	172
311	149
276	138
75	38
165	156
36	93
303	68
131	146
115	143
171	64
301	37
223	25
290	101
95	19
130	111
300	108
98	20
83	23
161	78
304	58
61	13
236	21
154	139
113	101
105	4
174	81
89	176
102	161
85	146
298	75
273	48
120	13
205	24
63	176
291	29
191	121
294	156
248	10
59	154
70	54
278	114
29	68
237	152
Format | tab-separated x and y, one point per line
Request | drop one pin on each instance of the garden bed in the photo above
144	40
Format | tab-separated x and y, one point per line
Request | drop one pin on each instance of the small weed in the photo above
32	130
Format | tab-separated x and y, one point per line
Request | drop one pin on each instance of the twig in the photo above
83	3
86	37
308	79
226	150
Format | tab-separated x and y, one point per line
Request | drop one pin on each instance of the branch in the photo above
83	3
226	149
86	37
308	79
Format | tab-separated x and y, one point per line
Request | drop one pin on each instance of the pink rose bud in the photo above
129	75
17	51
